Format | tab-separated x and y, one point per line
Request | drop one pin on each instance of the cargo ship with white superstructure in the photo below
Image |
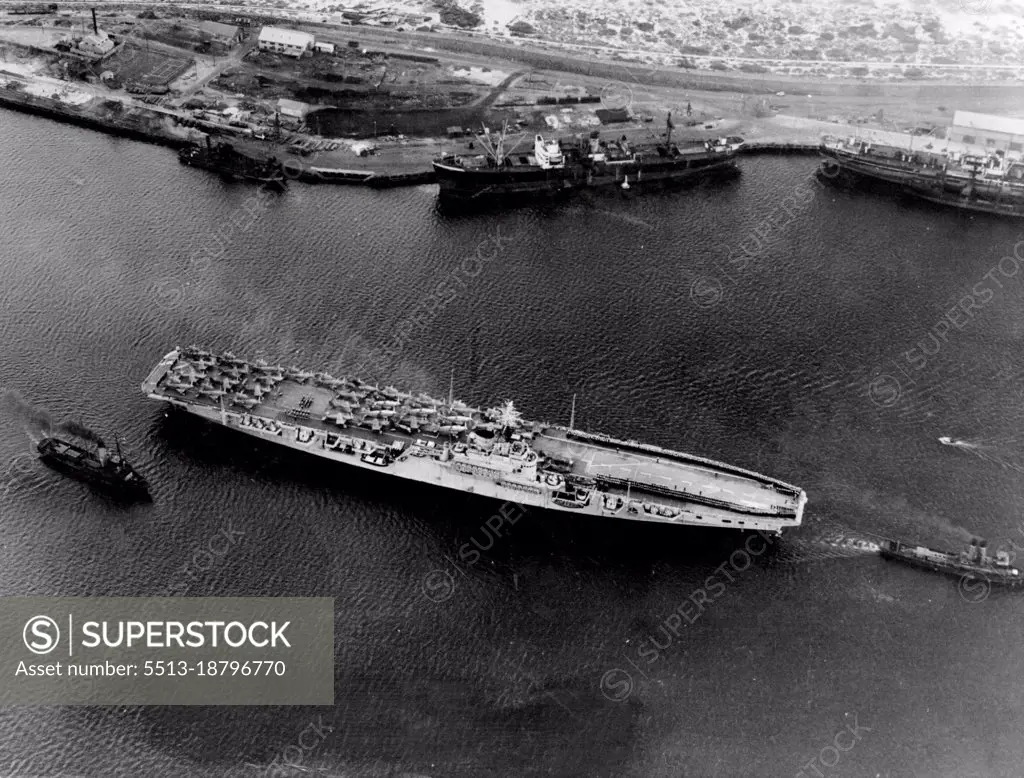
554	167
488	452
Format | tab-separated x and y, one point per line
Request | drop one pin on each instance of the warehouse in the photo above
290	42
990	132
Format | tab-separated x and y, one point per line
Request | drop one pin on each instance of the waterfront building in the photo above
993	133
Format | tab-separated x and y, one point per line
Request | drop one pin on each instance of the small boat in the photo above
974	562
945	440
102	469
377	457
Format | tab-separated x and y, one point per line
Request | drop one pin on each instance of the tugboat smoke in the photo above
81	431
37	418
41	423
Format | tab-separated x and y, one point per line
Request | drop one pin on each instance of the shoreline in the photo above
150	126
725	104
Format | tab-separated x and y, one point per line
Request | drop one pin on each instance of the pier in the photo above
778	147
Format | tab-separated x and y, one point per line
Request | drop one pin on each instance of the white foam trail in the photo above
835	542
957	443
986	453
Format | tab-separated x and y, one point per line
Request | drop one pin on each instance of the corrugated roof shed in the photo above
984	121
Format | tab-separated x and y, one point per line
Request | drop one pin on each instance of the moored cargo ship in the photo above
489	452
980	182
553	167
224	159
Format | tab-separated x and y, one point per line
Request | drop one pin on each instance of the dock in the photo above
777	147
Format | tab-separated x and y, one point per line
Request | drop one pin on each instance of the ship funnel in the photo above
101	452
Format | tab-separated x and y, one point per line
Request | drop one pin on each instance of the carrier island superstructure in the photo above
489	452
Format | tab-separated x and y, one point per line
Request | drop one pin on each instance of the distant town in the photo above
947	39
880	38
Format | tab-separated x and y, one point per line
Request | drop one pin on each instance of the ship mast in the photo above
572	413
451	389
497	151
668	134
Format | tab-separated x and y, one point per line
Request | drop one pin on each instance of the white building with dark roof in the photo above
282	41
96	44
292	108
987	131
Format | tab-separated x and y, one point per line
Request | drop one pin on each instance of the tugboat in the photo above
972	562
103	469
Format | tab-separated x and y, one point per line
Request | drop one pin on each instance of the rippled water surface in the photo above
820	358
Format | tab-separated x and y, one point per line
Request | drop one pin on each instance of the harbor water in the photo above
823	336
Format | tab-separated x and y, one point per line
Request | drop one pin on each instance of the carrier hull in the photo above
538	465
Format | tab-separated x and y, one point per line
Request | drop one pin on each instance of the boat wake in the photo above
985	452
948	441
833	543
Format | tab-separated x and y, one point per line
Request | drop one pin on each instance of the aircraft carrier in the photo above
489	452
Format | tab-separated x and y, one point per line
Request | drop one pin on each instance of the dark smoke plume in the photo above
35	417
41	422
80	430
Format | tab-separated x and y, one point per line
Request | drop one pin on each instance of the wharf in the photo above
395	165
149	126
778	147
